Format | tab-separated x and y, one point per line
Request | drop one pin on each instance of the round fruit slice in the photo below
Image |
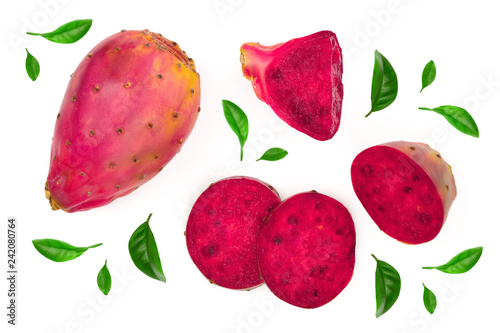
306	250
222	230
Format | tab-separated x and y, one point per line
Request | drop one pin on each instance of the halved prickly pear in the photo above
128	109
306	249
406	187
222	230
301	80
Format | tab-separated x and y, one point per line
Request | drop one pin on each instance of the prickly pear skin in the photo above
406	188
301	80
128	109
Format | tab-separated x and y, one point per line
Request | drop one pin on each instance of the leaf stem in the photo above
374	257
425	109
369	113
150	214
33	33
428	267
91	247
241	153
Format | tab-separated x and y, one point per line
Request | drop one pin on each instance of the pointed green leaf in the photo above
104	279
238	121
32	66
387	286
384	84
458	118
273	154
430	301
144	252
428	74
460	263
67	33
59	251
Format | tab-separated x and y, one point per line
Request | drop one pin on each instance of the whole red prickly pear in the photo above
128	109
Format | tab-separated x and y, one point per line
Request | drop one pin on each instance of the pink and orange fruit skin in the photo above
301	80
222	230
407	188
128	109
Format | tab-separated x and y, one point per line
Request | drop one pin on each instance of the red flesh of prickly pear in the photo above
306	249
222	230
301	80
128	109
406	187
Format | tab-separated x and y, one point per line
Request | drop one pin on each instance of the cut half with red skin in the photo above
306	250
222	230
301	80
406	188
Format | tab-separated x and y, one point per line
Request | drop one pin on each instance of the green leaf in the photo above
384	84
273	154
462	262
428	74
430	300
387	286
104	279
458	118
67	33
144	253
238	121
59	251
32	66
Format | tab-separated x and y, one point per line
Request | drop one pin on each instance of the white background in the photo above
460	36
